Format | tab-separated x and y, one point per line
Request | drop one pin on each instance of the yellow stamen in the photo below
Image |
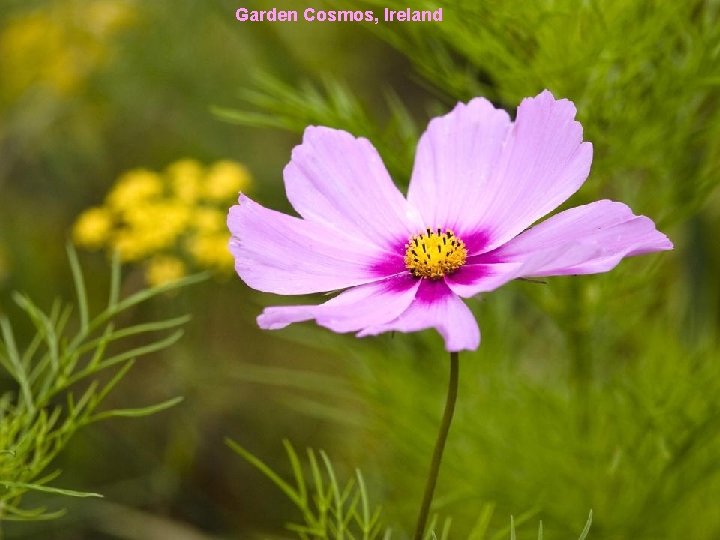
434	254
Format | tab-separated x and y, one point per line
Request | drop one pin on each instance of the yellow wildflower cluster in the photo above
58	46
173	220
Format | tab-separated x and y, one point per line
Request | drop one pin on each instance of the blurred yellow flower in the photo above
212	251
210	220
104	18
163	269
175	220
130	245
185	177
92	228
225	180
135	187
57	47
163	223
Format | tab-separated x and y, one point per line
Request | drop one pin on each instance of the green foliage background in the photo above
596	392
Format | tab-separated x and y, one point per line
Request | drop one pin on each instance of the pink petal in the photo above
340	181
455	160
473	279
435	306
544	162
584	240
489	179
282	254
489	271
352	310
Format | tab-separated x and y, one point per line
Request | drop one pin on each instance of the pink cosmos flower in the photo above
479	182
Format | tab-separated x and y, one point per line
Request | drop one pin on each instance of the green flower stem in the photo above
439	446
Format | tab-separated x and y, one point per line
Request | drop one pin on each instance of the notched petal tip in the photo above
547	96
314	134
275	318
546	101
266	321
659	242
235	215
478	110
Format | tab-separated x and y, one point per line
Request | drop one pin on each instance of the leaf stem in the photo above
439	446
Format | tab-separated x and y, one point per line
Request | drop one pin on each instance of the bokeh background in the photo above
595	392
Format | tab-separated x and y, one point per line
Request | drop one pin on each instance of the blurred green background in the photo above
595	392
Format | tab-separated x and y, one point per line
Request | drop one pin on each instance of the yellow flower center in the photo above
434	254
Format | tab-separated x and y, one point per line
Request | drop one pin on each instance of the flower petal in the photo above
282	254
585	240
487	276
436	306
473	279
544	162
339	180
489	179
455	160
352	310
